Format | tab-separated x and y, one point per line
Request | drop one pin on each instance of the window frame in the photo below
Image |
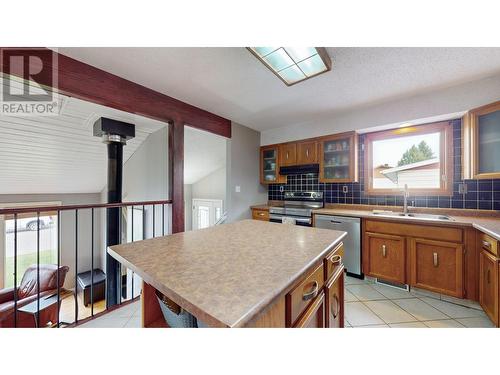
445	157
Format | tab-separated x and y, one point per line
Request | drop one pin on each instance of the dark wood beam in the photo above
86	82
176	173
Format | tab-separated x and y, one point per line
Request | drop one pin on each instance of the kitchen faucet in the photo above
406	194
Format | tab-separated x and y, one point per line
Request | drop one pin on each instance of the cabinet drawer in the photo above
488	284
260	215
437	266
334	300
333	261
303	294
411	230
314	317
384	257
488	243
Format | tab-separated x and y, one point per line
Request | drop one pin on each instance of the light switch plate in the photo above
237	189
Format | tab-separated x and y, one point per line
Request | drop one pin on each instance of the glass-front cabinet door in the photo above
338	158
269	165
482	142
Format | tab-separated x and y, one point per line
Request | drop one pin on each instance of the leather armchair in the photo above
27	293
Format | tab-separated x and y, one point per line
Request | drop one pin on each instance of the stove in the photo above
297	208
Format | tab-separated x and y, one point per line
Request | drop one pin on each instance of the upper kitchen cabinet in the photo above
307	152
338	158
269	164
481	142
288	154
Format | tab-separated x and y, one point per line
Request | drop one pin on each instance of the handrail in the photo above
11	211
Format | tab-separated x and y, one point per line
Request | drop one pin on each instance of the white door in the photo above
206	212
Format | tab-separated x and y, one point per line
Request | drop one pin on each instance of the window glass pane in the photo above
489	142
412	160
203	217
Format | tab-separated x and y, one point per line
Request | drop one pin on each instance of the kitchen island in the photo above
245	274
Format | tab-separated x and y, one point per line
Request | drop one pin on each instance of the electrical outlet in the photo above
237	189
462	188
345	189
282	189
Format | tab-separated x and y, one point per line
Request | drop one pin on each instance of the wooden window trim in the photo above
445	157
470	142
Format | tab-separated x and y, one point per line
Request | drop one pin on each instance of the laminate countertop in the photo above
488	225
228	274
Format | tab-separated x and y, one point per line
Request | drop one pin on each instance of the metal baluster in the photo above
58	265
143	222
120	292
92	266
163	219
132	241
154	214
76	265
15	270
38	269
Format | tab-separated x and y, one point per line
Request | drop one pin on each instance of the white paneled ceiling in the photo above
59	154
204	153
232	83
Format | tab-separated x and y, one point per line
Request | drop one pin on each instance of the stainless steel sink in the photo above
413	215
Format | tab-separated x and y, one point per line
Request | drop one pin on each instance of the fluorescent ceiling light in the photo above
294	64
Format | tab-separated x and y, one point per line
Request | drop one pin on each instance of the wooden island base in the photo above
316	300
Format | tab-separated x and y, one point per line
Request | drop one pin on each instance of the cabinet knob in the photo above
435	259
486	245
384	251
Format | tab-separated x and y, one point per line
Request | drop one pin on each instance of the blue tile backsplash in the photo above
481	194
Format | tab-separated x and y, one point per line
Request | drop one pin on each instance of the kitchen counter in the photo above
488	225
228	274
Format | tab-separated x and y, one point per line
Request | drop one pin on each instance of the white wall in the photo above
212	186
188	204
436	103
68	230
243	171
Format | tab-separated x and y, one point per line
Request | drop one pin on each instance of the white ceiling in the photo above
204	153
59	154
234	84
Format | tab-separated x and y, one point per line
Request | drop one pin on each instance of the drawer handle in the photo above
435	259
287	154
336	259
307	152
337	305
488	276
313	293
261	213
384	251
486	244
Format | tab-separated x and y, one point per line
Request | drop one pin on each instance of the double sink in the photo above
413	215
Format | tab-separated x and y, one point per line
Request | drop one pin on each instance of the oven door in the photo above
299	220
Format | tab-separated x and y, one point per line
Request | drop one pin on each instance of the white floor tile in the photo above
346	323
106	322
365	292
349	280
374	326
389	312
463	302
452	310
391	293
348	296
483	322
448	323
420	310
134	322
408	325
357	314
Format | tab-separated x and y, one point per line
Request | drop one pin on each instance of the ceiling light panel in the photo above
294	64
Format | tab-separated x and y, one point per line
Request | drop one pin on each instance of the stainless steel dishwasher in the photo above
352	242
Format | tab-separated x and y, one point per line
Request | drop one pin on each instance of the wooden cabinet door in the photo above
314	316
488	284
437	266
338	158
269	165
384	257
288	154
334	300
307	153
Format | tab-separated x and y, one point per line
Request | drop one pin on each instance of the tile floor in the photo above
368	305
